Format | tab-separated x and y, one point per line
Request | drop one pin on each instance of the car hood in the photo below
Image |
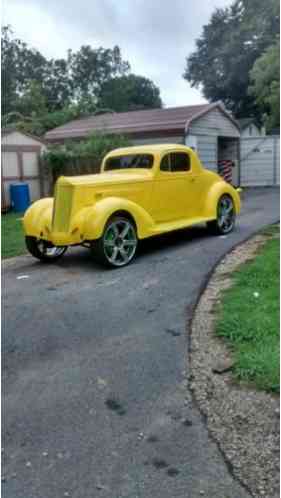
109	177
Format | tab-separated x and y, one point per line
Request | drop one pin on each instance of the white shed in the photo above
20	161
216	137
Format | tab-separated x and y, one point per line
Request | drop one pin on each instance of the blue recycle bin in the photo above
20	198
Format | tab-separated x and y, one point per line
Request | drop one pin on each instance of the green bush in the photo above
83	157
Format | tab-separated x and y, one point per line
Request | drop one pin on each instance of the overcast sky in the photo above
155	36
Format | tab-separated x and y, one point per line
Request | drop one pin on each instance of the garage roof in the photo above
13	129
176	119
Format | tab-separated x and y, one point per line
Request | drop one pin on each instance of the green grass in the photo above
12	235
250	323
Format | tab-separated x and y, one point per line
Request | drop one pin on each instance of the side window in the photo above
180	161
165	163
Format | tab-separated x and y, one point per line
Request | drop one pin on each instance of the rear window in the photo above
129	161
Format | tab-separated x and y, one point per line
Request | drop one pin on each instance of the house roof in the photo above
176	119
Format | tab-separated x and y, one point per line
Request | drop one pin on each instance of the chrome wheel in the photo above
119	242
226	214
50	251
44	250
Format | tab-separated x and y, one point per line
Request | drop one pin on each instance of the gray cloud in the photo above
155	36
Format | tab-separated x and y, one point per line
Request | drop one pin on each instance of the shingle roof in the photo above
135	122
11	129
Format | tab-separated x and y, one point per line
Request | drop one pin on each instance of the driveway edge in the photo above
242	421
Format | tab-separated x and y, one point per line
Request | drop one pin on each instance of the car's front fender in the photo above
37	220
94	218
216	191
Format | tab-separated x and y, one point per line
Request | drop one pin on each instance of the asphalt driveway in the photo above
94	371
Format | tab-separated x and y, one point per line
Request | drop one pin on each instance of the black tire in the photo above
218	226
42	250
114	249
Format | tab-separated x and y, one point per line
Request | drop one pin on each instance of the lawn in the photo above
248	317
12	235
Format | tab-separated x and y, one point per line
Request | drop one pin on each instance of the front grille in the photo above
62	208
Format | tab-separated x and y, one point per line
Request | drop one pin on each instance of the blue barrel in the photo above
20	199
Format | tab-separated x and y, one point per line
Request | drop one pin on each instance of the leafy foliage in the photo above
74	158
32	102
91	68
12	235
39	94
40	124
129	93
20	64
227	50
265	87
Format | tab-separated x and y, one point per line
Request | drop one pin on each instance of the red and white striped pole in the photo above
225	169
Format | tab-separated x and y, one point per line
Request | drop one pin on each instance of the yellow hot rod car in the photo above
141	191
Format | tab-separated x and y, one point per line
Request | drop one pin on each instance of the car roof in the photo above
149	148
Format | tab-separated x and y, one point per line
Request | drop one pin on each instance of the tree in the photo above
32	102
57	85
20	65
227	49
265	85
128	93
9	55
39	94
91	68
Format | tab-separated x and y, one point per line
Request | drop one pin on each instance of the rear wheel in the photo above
118	243
225	221
44	250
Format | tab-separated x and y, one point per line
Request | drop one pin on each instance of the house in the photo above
208	128
20	153
250	128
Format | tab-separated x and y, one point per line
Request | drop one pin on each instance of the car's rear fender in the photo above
216	191
94	218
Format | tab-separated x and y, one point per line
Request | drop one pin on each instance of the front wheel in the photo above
225	221
118	243
43	250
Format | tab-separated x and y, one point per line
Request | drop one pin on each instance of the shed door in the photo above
207	151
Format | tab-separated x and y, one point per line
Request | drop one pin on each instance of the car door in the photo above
172	183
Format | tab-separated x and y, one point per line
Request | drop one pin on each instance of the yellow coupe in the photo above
141	191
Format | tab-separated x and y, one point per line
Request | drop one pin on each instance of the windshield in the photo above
129	161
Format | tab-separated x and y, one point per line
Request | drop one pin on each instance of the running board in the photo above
177	225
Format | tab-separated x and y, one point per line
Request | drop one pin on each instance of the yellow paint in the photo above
158	201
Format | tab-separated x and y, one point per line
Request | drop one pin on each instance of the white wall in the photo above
252	131
260	161
10	165
204	133
207	151
214	123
